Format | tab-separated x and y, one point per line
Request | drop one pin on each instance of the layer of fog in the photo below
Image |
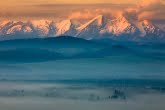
112	67
39	96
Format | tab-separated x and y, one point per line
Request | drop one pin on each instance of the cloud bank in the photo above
146	9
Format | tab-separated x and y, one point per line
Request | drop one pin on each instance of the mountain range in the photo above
99	27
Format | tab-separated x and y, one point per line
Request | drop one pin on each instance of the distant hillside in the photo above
66	47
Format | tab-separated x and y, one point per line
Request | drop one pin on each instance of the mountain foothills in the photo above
99	27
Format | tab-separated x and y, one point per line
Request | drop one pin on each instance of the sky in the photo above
82	9
25	2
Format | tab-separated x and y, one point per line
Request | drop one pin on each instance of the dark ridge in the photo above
64	41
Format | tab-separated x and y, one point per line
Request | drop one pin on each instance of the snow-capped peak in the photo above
152	29
97	21
63	27
66	27
92	28
100	26
41	26
118	26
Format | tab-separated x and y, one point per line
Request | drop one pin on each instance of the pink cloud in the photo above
147	9
82	15
89	14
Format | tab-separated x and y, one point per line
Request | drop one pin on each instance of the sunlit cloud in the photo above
146	9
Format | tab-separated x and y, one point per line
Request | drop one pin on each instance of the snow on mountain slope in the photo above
147	28
41	26
65	27
97	21
91	29
14	29
119	26
3	23
27	29
98	27
151	29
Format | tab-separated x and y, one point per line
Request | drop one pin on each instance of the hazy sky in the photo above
139	9
25	2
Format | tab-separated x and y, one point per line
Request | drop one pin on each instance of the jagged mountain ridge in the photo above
98	27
